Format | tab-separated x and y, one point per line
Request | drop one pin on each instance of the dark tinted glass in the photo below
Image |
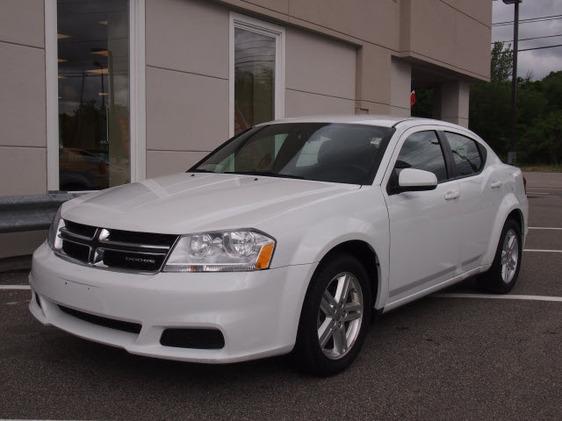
93	93
423	151
342	153
465	154
254	79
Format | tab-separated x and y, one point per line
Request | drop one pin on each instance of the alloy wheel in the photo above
340	315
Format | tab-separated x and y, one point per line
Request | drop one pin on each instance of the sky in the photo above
537	63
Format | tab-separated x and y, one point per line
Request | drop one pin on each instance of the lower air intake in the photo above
193	338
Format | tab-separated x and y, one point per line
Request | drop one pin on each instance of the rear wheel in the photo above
334	318
502	276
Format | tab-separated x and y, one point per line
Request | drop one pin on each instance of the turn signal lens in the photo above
264	257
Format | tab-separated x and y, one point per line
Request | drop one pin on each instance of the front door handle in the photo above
452	195
496	185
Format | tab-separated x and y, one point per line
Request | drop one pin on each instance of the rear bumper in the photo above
257	312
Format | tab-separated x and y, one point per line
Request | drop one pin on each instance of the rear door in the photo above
424	225
480	196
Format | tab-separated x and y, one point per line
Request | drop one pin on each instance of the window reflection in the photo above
254	87
93	74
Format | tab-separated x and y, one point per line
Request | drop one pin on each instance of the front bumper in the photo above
257	312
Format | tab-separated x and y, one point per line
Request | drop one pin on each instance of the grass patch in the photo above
542	168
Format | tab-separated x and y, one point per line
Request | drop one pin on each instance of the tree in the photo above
490	102
502	62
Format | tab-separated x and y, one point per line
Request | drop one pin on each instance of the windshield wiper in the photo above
266	174
200	170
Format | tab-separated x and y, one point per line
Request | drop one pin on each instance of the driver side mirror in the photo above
411	179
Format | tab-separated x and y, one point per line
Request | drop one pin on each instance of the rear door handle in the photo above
452	195
496	185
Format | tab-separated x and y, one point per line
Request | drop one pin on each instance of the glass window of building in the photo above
257	73
93	93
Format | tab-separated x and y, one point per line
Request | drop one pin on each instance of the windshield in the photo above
341	153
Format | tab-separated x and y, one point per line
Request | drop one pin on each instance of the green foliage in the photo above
502	62
539	119
424	103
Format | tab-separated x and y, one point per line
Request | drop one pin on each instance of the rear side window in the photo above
466	154
422	151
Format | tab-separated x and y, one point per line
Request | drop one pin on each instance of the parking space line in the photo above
15	287
543	251
546	228
501	297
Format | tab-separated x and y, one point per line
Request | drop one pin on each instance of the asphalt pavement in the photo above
453	355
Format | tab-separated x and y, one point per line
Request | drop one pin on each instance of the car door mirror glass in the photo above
411	179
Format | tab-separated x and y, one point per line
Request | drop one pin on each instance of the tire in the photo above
501	278
344	327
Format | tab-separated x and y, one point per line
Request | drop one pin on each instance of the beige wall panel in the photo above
373	21
22	21
20	243
374	74
277	5
365	107
22	98
480	10
187	35
401	86
305	104
473	43
446	35
185	111
319	64
163	162
23	171
454	105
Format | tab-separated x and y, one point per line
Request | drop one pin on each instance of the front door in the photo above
424	225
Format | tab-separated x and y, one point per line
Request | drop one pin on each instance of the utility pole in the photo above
511	154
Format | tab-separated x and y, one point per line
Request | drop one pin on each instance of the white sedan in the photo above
287	238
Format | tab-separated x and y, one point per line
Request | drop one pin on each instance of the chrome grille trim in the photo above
123	252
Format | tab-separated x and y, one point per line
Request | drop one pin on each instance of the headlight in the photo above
221	251
53	237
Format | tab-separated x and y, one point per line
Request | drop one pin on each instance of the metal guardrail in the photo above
31	212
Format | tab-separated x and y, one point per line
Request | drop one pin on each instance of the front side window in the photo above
256	74
423	151
93	93
341	153
465	154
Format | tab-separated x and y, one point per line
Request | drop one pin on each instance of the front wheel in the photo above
335	315
502	276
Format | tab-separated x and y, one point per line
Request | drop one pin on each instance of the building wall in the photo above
186	82
23	144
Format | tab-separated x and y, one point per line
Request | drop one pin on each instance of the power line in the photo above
531	38
541	48
529	20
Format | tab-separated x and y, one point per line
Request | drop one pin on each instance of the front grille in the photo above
103	321
110	248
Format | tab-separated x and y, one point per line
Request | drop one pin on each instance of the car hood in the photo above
192	202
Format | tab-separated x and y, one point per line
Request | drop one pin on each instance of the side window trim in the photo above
448	154
481	151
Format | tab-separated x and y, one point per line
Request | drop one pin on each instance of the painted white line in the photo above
15	287
546	228
501	297
543	251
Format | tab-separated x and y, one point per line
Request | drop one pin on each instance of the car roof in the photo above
373	120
